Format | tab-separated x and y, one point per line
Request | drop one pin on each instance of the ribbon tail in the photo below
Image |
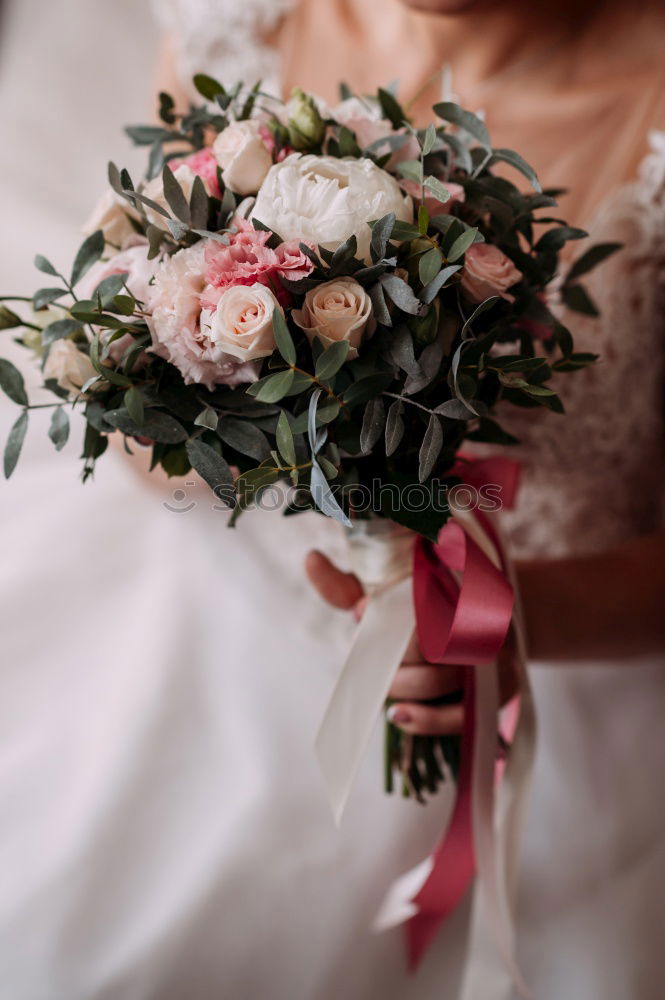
454	863
379	645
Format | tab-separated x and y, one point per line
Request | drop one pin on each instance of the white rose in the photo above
242	323
154	190
243	157
337	310
324	200
68	366
112	215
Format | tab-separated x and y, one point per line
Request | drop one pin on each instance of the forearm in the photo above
605	606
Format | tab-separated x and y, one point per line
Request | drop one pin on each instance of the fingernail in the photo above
398	715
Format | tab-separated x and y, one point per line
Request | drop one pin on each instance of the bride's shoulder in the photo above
224	38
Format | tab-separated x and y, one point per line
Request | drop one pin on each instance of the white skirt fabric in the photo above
164	829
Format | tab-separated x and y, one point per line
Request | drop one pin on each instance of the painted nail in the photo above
398	715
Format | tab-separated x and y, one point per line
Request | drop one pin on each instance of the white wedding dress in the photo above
165	835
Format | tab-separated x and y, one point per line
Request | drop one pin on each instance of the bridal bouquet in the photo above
329	298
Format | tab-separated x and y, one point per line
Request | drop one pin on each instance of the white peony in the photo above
323	200
243	157
242	323
112	215
68	366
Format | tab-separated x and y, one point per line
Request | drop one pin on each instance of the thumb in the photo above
342	590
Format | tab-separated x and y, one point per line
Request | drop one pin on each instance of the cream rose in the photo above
242	323
337	310
243	157
154	190
487	271
323	200
112	215
68	366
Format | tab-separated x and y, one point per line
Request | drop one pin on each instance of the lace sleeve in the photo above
597	476
224	38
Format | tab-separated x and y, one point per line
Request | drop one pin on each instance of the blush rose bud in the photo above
306	126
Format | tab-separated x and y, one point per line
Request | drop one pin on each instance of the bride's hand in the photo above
417	683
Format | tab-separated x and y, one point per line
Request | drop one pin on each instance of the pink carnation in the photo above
204	165
175	323
247	260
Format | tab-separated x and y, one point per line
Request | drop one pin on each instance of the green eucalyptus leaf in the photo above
9	320
175	196
198	205
554	239
283	337
45	265
429	140
401	294
157	426
430	449
404	231
466	120
431	290
594	255
332	359
381	232
430	265
577	298
519	163
272	388
411	170
391	108
211	467
15	443
439	190
133	401
59	428
88	254
374	419
284	438
11	383
244	437
323	496
45	296
461	244
207	86
394	427
207	418
362	390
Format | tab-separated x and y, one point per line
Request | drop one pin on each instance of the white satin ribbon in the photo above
381	557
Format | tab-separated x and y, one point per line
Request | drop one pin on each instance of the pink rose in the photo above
487	271
139	270
176	328
337	310
432	204
204	165
242	324
243	156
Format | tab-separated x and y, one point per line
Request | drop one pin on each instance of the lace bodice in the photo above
225	38
597	476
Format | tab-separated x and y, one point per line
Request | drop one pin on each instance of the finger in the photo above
427	720
342	590
424	681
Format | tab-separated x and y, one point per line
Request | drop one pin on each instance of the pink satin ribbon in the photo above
464	607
